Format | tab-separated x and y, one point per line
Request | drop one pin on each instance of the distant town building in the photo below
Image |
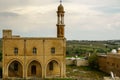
76	61
110	62
28	57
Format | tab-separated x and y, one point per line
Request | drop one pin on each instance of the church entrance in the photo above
34	69
53	69
15	69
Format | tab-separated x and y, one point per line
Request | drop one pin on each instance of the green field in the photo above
82	48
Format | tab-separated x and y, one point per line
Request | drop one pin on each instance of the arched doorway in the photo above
53	69
15	69
34	69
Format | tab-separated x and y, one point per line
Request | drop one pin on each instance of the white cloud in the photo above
84	19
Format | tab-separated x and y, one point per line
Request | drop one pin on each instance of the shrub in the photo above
93	61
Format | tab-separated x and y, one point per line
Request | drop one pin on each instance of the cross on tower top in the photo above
60	1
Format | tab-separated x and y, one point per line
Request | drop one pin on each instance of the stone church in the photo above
29	57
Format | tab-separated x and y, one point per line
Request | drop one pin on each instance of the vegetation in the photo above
0	44
81	73
59	79
84	48
93	61
84	73
0	50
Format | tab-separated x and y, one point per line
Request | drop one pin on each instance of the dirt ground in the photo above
84	73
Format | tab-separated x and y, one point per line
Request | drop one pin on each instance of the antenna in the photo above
60	1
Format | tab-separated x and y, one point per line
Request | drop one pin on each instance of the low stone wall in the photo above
76	61
69	62
81	62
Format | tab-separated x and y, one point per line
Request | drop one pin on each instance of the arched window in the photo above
34	50
15	51
53	50
33	69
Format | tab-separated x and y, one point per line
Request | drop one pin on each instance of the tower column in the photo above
62	19
60	23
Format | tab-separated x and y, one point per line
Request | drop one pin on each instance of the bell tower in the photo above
60	21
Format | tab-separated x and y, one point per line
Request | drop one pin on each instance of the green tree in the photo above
67	52
93	61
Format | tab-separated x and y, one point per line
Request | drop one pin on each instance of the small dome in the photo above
60	7
114	51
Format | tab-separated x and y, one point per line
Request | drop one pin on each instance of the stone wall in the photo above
76	61
110	63
81	62
27	58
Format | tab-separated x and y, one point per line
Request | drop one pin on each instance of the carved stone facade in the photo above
25	57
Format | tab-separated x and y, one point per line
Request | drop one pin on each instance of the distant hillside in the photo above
84	47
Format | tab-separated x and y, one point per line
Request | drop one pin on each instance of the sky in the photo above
84	19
